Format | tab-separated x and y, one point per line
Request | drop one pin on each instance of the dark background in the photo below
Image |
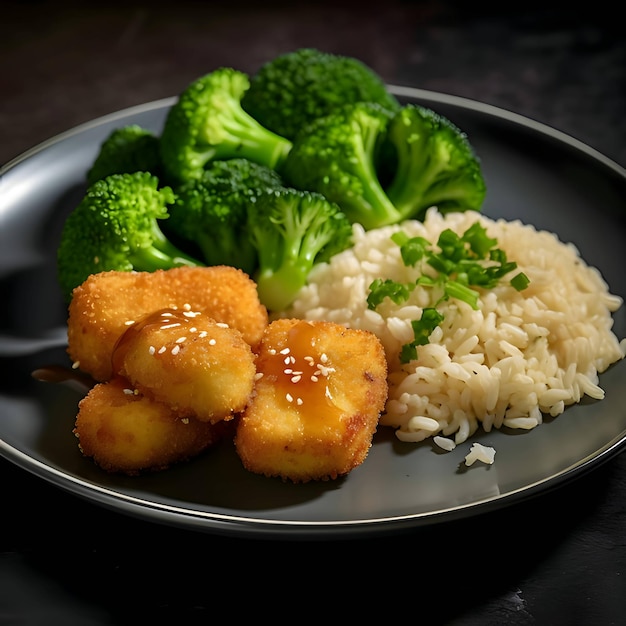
558	559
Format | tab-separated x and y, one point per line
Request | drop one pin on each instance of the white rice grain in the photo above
519	356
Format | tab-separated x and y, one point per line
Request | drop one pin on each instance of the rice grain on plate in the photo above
519	356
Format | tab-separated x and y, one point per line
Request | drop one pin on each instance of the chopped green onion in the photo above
520	281
462	262
381	289
422	329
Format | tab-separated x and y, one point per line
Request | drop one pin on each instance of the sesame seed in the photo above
324	358
173	325
129	392
258	376
222	325
314	378
286	361
151	350
299	402
191	313
289	397
75	365
272	351
181	339
296	379
176	349
212	342
187	306
285	351
310	360
129	322
162	349
288	370
166	314
193	329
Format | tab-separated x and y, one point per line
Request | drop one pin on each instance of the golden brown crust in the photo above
198	367
105	303
313	418
129	433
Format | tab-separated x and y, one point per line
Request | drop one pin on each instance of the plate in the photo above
533	173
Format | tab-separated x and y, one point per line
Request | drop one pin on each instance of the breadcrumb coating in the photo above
105	305
198	367
319	393
126	432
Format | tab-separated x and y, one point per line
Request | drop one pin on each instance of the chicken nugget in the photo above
199	367
106	303
125	432
320	390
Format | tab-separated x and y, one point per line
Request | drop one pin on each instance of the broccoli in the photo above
290	91
435	165
382	167
115	227
207	123
293	230
337	156
126	150
212	211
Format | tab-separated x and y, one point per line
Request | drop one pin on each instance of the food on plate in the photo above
479	452
106	304
126	432
356	221
211	211
199	367
518	350
116	227
289	91
207	122
382	167
292	232
319	392
125	150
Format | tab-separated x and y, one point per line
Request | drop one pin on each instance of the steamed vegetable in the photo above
212	211
126	150
292	231
116	226
295	88
207	122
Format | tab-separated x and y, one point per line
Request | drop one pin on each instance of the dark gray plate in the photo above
533	172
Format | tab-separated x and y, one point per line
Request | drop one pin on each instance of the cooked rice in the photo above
520	356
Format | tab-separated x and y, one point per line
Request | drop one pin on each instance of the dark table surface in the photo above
559	558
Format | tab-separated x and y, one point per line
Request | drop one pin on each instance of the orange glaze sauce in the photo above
163	318
301	372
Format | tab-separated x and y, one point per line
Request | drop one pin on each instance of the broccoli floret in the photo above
293	231
115	227
212	211
337	156
291	90
207	122
126	150
435	165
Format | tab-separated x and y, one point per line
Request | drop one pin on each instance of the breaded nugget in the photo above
321	388
103	306
199	367
128	433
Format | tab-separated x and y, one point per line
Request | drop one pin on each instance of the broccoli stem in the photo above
162	254
240	135
277	289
